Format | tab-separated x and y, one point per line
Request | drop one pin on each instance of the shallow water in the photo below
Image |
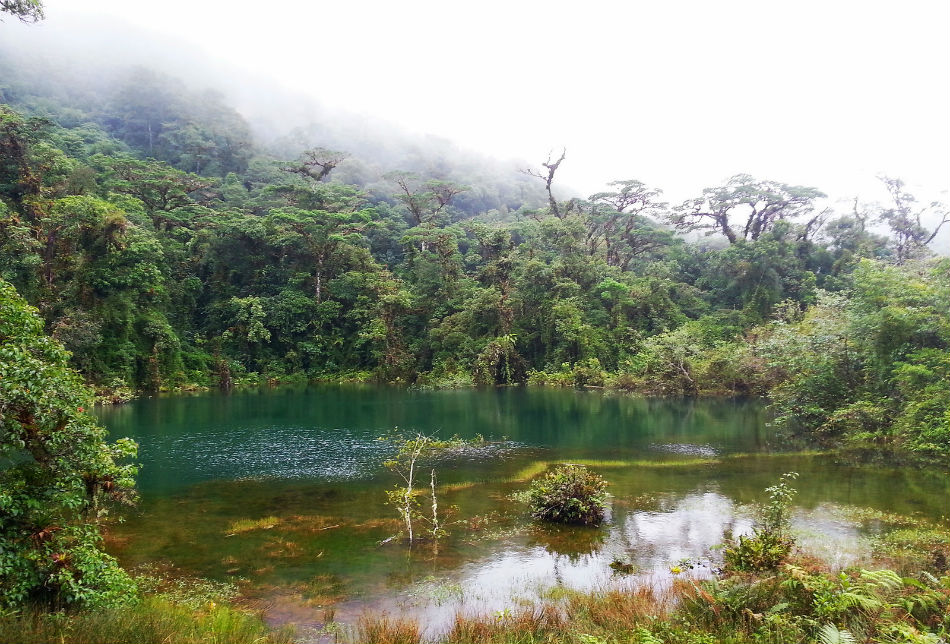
682	477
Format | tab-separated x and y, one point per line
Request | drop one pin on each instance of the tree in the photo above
161	188
20	178
316	163
318	234
58	473
905	220
24	10
423	199
548	178
760	203
410	453
622	221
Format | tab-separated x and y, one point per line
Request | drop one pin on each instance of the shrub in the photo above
761	551
770	543
58	474
568	494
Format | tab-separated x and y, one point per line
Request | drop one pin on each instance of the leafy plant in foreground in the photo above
56	472
770	543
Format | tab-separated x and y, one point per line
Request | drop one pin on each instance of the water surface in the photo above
682	475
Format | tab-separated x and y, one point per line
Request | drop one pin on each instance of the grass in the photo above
797	603
538	467
385	629
249	525
324	590
153	621
542	623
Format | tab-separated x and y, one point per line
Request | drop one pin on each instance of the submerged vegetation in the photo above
782	597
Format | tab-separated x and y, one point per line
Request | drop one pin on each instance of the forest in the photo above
167	250
151	241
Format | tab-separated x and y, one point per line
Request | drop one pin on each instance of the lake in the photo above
282	492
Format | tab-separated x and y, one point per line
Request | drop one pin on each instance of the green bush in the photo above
568	494
770	543
762	551
58	474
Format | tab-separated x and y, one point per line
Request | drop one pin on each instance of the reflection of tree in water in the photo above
572	542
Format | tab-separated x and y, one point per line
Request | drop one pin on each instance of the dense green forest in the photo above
167	249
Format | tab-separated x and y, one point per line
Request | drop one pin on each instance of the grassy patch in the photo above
386	629
154	621
324	590
249	525
538	467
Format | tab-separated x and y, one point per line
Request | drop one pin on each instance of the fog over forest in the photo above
828	97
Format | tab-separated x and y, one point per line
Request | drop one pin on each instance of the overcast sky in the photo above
678	94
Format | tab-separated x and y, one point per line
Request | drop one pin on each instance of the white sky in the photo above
678	94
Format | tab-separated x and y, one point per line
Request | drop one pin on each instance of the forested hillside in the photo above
166	248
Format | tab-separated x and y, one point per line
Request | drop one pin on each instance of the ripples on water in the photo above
277	452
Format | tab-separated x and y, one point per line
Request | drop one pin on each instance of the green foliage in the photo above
165	251
58	474
761	551
499	363
24	10
154	621
568	494
412	453
770	543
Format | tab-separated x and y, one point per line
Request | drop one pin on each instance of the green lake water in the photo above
682	473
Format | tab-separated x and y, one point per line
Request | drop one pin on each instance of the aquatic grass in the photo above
283	549
324	590
866	516
386	629
538	467
910	549
459	486
191	592
153	621
249	525
311	523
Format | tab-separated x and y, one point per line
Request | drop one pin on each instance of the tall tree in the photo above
906	220
547	176
316	163
744	208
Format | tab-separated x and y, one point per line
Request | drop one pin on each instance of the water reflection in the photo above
680	540
683	475
327	433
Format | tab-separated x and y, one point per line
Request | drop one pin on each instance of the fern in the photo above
829	634
883	579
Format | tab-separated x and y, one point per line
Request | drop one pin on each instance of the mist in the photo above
680	98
